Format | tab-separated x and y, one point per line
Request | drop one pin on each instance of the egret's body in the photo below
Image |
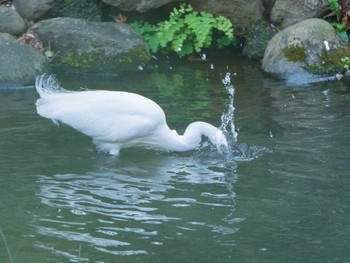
116	119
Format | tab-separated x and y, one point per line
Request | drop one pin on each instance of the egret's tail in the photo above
49	104
47	84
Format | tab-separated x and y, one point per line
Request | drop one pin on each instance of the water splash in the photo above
227	118
236	151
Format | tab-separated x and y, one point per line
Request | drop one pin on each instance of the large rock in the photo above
138	5
297	46
6	38
20	63
33	10
84	9
11	22
93	46
242	14
288	12
257	40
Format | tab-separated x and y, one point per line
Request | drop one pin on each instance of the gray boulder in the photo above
297	46
98	47
20	63
138	5
6	38
286	12
11	22
257	40
33	10
242	14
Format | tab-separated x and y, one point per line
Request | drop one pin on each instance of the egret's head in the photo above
219	140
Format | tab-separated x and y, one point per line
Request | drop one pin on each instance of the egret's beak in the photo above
220	141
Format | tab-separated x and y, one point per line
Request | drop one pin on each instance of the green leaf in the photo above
186	31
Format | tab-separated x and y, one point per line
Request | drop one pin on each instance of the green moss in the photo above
140	53
79	60
295	53
97	61
330	62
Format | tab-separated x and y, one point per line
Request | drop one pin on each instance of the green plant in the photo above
339	17
186	31
346	62
334	6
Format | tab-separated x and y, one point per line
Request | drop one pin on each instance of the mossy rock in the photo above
84	9
93	46
96	61
291	50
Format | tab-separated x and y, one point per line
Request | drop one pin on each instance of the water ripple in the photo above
121	213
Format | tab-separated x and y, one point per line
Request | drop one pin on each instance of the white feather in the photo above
116	119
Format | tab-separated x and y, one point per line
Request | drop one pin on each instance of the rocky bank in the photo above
44	41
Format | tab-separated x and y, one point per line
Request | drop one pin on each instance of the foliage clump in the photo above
186	31
338	16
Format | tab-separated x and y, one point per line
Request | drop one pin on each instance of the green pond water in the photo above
281	196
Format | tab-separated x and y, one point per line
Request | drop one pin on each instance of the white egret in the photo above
116	119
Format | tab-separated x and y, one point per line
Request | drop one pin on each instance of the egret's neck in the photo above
194	132
193	137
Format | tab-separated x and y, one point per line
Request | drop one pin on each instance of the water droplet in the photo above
156	243
78	212
325	92
325	42
227	79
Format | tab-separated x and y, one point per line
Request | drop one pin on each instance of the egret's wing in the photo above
104	115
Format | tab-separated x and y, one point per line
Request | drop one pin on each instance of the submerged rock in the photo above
20	63
98	47
300	45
